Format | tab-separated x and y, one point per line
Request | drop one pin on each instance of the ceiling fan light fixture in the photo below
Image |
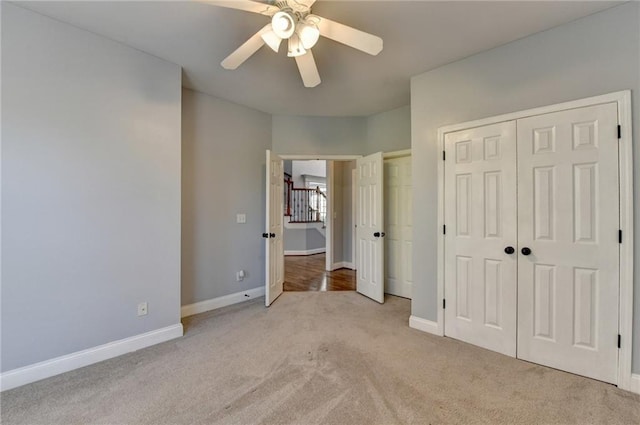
308	33
295	47
272	40
283	24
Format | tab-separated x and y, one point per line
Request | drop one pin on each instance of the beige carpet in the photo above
315	358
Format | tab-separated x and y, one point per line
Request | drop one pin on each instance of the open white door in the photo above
370	230
274	249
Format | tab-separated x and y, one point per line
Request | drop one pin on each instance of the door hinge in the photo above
444	156
619	340
619	236
444	229
444	303
619	132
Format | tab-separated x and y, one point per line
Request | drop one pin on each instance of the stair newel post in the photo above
318	192
289	197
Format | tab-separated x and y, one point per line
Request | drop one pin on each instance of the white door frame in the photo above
625	169
328	264
329	223
396	154
354	216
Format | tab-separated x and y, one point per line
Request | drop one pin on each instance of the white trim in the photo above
396	154
35	372
424	325
305	252
625	164
625	167
343	265
558	107
354	215
318	157
328	221
634	383
215	303
302	226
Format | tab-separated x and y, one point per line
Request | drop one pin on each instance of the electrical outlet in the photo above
240	276
241	218
142	309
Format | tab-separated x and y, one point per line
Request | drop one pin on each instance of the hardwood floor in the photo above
307	273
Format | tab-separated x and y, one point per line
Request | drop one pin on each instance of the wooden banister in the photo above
304	205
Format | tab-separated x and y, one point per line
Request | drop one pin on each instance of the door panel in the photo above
480	211
397	223
370	252
274	248
568	216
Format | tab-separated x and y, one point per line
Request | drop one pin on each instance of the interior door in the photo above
568	225
480	236
274	248
398	215
370	230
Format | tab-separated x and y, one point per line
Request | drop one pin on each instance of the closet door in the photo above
480	239
568	253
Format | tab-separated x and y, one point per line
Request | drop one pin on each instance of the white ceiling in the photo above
418	36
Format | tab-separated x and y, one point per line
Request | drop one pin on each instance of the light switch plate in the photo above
241	218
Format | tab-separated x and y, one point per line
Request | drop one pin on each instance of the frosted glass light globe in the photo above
283	24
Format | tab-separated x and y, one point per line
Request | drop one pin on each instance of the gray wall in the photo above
303	239
319	135
301	170
223	174
595	55
389	131
90	190
288	166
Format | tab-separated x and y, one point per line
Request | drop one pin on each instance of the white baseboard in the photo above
215	303
343	265
423	325
634	386
35	372
307	252
312	225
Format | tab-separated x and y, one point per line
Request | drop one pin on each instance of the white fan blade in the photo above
352	37
308	70
245	51
246	5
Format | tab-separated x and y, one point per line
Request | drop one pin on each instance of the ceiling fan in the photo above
293	21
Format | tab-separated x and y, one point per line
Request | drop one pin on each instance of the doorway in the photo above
313	259
354	236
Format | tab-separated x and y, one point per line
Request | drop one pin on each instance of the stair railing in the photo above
304	205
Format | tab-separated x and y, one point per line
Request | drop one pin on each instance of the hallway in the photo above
307	273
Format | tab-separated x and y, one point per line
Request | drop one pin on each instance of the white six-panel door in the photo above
565	217
398	217
274	248
480	211
370	231
569	218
